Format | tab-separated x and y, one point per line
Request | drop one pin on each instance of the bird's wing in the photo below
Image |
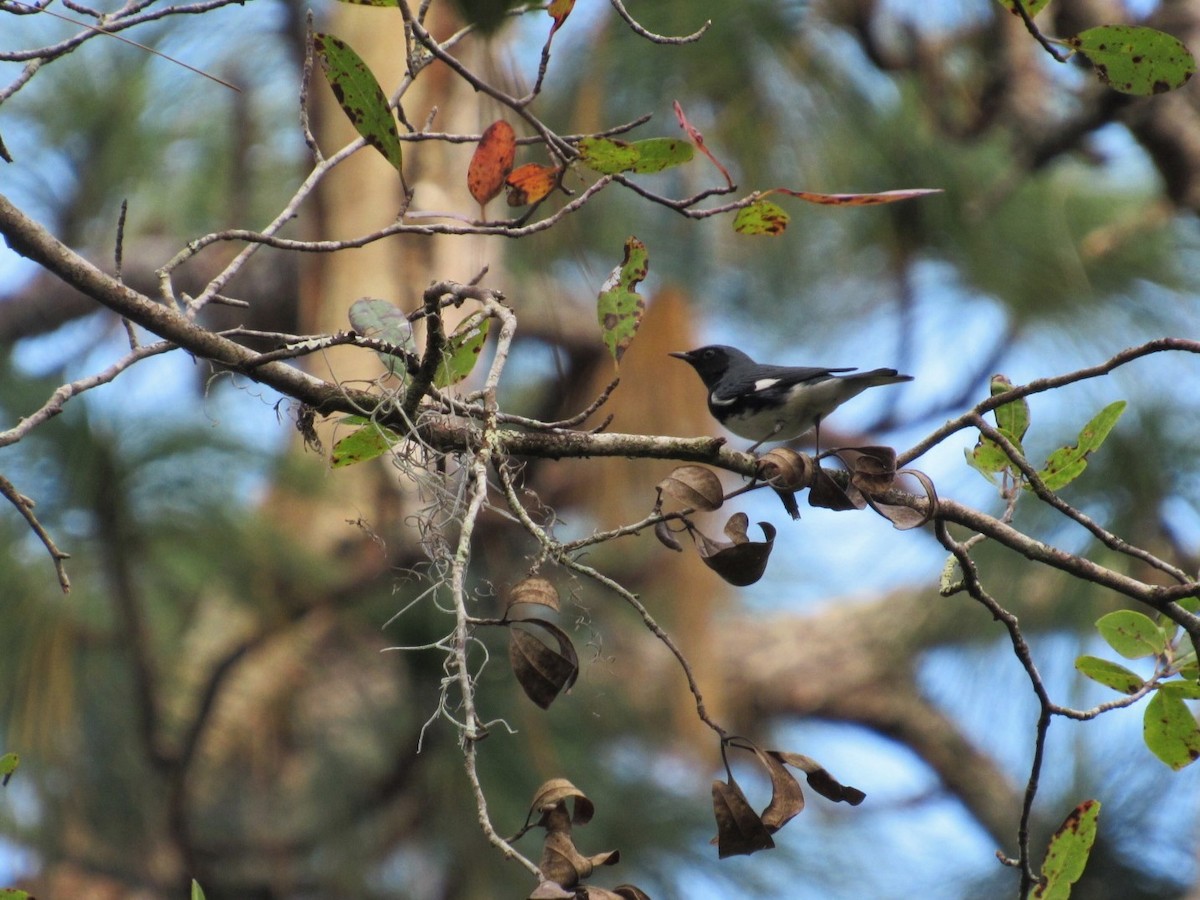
770	381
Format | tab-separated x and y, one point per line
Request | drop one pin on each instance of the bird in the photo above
775	403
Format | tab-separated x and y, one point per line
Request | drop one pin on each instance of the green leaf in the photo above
1188	667
197	891
1012	421
1184	689
1133	59
1109	674
8	765
360	97
761	217
1067	463
656	154
608	156
1012	418
1033	7
362	444
1131	634
14	894
1068	852
619	307
378	319
461	352
1170	730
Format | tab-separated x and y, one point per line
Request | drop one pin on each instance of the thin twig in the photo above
637	28
25	507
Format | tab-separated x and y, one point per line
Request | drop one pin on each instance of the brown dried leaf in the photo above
542	673
819	778
785	469
694	487
492	161
905	517
828	494
549	890
554	794
561	862
740	831
534	590
743	561
666	537
736	528
630	892
787	799
872	469
530	183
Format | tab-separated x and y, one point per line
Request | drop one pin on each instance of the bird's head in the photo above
713	361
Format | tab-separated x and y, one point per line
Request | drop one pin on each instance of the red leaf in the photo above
492	161
857	199
698	139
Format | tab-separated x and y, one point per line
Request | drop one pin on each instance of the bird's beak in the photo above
686	357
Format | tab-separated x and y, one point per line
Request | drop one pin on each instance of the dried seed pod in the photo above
535	589
786	469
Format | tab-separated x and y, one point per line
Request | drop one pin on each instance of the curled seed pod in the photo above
786	469
534	590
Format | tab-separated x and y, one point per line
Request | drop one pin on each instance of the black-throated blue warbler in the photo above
775	403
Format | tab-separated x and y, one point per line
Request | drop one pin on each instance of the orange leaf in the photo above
492	161
530	183
559	9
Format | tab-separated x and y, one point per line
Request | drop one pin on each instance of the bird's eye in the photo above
708	354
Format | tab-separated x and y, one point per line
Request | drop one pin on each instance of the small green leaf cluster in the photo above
386	323
1169	728
1063	466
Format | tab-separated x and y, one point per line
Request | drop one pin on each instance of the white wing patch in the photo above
765	384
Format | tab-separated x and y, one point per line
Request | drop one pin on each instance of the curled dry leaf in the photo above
542	672
534	590
693	487
740	830
740	562
666	537
553	795
550	890
872	469
562	862
787	799
492	161
786	469
905	517
819	778
828	494
787	472
630	892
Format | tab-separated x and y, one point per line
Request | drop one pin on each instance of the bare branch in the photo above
25	507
